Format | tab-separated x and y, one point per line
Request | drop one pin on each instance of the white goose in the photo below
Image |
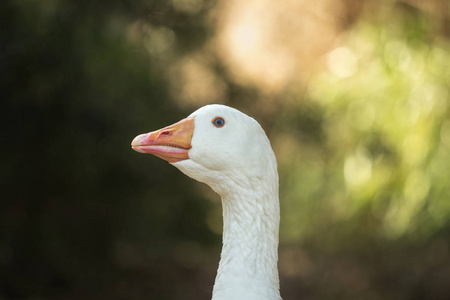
230	152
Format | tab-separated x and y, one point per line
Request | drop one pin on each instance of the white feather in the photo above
238	163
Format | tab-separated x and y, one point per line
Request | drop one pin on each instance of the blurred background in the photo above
354	95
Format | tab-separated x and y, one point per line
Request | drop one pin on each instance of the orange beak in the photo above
172	143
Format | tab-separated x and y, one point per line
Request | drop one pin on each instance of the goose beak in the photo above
171	143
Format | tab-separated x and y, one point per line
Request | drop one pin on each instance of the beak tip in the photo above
137	149
137	141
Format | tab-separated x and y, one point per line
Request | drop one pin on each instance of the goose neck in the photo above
248	265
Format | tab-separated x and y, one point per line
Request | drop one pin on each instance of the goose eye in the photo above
218	122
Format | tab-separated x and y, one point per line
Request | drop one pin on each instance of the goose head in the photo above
230	152
212	145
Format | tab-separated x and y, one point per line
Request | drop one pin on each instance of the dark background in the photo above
360	125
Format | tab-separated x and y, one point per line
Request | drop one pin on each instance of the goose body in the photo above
230	152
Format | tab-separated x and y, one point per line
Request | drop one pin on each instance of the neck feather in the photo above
248	265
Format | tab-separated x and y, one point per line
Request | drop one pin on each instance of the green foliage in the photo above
385	106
